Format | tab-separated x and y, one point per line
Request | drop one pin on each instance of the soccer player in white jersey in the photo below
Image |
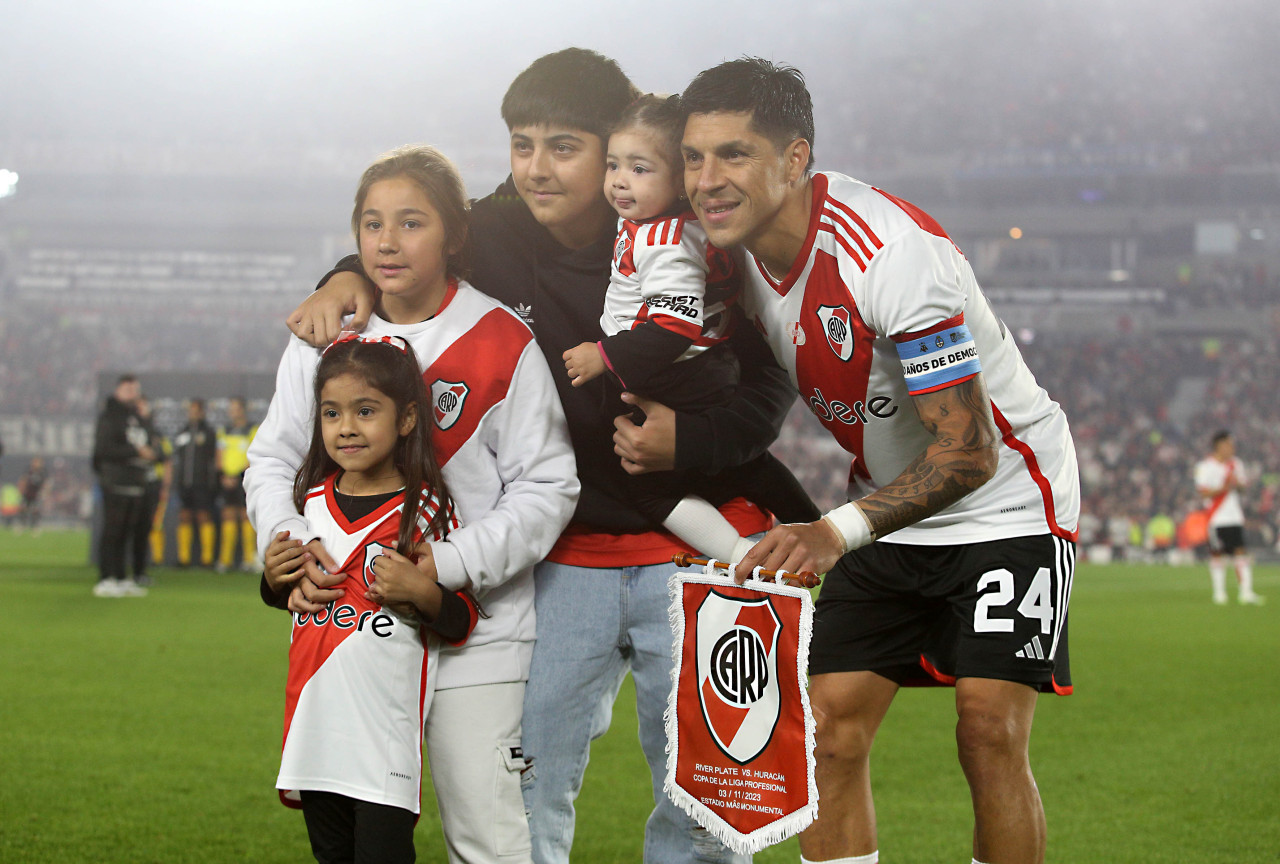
1219	477
956	557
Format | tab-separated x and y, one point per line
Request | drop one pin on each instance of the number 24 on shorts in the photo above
997	589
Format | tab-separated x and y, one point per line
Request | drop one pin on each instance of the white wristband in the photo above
851	525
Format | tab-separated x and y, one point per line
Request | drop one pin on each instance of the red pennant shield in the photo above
737	672
739	727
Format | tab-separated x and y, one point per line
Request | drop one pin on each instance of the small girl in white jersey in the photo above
361	672
666	317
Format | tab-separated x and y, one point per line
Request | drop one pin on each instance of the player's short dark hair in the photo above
660	115
575	88
1219	436
774	95
127	378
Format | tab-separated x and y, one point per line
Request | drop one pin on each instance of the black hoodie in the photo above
116	439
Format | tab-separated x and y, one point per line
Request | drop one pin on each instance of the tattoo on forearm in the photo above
961	458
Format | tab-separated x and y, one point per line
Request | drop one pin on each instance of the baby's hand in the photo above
583	363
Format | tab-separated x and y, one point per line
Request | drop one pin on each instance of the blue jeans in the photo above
594	624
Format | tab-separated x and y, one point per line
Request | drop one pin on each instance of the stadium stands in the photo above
1120	205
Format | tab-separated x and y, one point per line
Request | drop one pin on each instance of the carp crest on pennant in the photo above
737	669
447	398
835	325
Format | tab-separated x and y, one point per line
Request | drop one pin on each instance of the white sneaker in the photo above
1220	599
1252	599
130	588
108	588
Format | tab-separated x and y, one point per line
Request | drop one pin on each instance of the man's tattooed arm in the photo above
962	457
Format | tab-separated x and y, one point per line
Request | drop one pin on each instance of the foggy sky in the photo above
294	75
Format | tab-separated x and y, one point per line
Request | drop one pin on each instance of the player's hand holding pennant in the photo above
739	727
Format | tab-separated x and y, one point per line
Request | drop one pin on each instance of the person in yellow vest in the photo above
10	503
233	459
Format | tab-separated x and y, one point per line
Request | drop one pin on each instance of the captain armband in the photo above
934	360
851	526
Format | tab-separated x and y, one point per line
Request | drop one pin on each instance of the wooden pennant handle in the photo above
804	579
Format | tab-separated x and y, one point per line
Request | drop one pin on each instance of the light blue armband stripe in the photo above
937	359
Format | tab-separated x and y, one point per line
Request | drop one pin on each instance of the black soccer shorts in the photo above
1227	539
198	498
986	610
234	496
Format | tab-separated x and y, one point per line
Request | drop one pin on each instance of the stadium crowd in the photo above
1136	432
1142	411
1136	440
52	353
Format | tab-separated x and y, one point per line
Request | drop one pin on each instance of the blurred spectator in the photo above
195	473
233	461
120	459
153	494
10	504
31	485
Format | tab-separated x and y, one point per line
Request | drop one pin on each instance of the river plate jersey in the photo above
361	677
1225	508
881	305
665	272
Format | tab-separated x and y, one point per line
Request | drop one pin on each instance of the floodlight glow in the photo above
8	182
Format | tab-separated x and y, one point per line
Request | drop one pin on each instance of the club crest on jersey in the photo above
373	550
447	398
835	324
738	673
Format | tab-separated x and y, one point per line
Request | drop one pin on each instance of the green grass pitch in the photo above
147	730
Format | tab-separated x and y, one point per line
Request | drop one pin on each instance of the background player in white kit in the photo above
1218	478
966	468
665	321
362	672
